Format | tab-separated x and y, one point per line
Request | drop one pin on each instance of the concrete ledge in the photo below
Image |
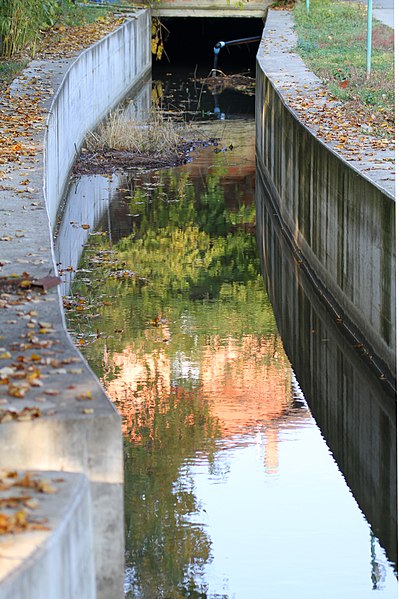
341	221
56	561
209	8
68	424
227	11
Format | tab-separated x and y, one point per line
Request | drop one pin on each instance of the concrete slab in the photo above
52	554
210	8
258	13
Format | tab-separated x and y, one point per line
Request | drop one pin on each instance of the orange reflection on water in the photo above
247	382
244	384
143	383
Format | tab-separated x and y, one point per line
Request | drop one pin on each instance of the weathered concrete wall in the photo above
342	223
354	411
97	81
70	238
78	429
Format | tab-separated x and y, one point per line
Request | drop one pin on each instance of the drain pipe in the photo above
220	45
216	110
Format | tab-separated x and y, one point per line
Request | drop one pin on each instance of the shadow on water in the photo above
355	414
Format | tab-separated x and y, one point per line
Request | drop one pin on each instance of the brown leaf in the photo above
46	282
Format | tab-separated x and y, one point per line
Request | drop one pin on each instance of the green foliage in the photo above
21	22
75	15
212	266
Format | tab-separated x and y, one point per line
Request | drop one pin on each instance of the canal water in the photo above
231	487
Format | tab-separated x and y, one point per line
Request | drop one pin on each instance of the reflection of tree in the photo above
197	293
184	245
168	426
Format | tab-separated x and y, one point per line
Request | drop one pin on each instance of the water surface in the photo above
231	489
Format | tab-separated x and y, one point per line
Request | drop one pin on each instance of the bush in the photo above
21	22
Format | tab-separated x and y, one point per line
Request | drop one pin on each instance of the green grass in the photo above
73	16
9	69
332	42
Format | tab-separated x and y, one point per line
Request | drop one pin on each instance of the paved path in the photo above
383	11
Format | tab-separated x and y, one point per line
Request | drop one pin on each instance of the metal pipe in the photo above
369	36
243	40
219	45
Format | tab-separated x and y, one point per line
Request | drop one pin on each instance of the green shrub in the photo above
21	22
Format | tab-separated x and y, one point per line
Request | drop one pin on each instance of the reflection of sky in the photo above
184	369
296	533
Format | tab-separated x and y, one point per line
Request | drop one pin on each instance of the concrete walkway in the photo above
383	11
54	414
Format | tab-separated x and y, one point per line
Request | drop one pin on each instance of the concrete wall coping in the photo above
53	557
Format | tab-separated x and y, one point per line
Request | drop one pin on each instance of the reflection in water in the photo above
231	491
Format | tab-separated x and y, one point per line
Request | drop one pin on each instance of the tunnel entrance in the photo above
192	39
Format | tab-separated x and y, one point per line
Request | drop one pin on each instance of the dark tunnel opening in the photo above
191	40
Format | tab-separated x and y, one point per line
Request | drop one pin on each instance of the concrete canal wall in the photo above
96	82
356	415
76	428
57	560
341	222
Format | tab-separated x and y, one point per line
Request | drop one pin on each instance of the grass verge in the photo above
75	15
9	69
332	42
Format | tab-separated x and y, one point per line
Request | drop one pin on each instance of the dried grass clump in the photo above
157	136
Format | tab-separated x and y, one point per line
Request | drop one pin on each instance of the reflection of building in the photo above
245	383
142	382
271	450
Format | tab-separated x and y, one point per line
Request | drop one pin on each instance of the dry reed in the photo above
156	136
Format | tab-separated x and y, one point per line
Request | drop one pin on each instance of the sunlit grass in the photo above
9	69
332	42
75	15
